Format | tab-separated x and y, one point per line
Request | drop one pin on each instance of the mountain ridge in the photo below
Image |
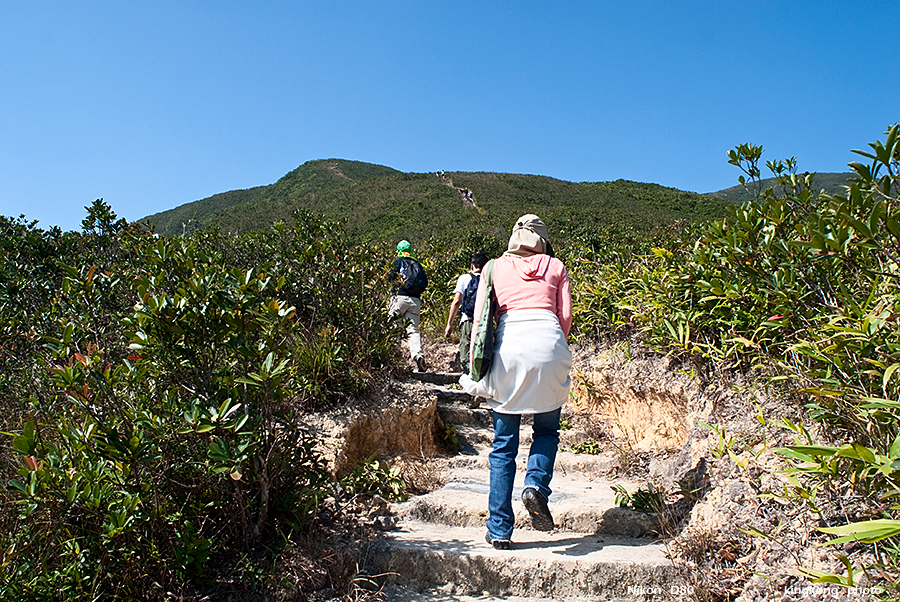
378	202
832	182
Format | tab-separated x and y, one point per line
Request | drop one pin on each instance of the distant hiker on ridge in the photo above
405	303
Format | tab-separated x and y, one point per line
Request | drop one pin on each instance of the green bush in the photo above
374	477
805	286
152	395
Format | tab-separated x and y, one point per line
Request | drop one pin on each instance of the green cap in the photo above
403	246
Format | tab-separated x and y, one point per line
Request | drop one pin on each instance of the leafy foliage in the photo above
832	183
374	477
151	394
649	499
588	446
379	206
150	386
804	284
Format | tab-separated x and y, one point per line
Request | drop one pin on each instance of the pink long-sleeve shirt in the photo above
533	282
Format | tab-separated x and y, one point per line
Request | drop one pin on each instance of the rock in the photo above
385	523
380	505
627	522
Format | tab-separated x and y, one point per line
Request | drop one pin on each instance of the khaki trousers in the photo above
409	308
465	336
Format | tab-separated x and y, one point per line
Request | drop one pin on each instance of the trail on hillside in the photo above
467	195
337	171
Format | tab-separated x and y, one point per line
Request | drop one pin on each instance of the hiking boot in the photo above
498	544
541	519
420	364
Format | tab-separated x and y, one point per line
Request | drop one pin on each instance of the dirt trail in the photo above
639	416
337	171
467	195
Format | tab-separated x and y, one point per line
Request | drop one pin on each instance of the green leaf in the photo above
734	458
866	531
241	421
895	448
231	410
887	376
754	532
823	577
806	451
864	453
223	407
22	444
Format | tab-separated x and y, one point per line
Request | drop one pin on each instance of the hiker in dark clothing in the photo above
405	303
464	302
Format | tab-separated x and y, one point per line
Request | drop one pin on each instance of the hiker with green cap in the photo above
405	302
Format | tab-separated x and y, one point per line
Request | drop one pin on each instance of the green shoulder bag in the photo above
483	338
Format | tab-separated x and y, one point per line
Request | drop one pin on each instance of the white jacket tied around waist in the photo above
531	365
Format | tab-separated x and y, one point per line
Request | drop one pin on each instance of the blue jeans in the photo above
538	472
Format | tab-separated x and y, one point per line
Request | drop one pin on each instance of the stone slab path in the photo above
597	552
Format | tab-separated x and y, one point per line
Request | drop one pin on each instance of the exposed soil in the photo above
467	195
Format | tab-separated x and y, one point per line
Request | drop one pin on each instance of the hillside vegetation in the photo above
799	288
832	183
379	203
150	385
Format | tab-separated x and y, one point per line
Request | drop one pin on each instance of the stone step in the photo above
460	408
540	565
437	378
476	441
404	593
578	505
445	395
459	414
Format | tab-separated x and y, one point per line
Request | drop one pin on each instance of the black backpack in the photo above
468	297
412	277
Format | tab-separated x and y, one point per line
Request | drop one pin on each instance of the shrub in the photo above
153	392
805	286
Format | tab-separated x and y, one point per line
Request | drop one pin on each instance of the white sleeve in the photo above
461	283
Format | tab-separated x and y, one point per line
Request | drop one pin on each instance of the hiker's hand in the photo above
447	331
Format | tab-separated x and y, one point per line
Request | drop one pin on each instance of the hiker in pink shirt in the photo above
529	373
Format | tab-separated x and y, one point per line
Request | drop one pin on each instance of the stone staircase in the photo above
597	552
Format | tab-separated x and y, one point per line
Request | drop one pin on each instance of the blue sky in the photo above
150	105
